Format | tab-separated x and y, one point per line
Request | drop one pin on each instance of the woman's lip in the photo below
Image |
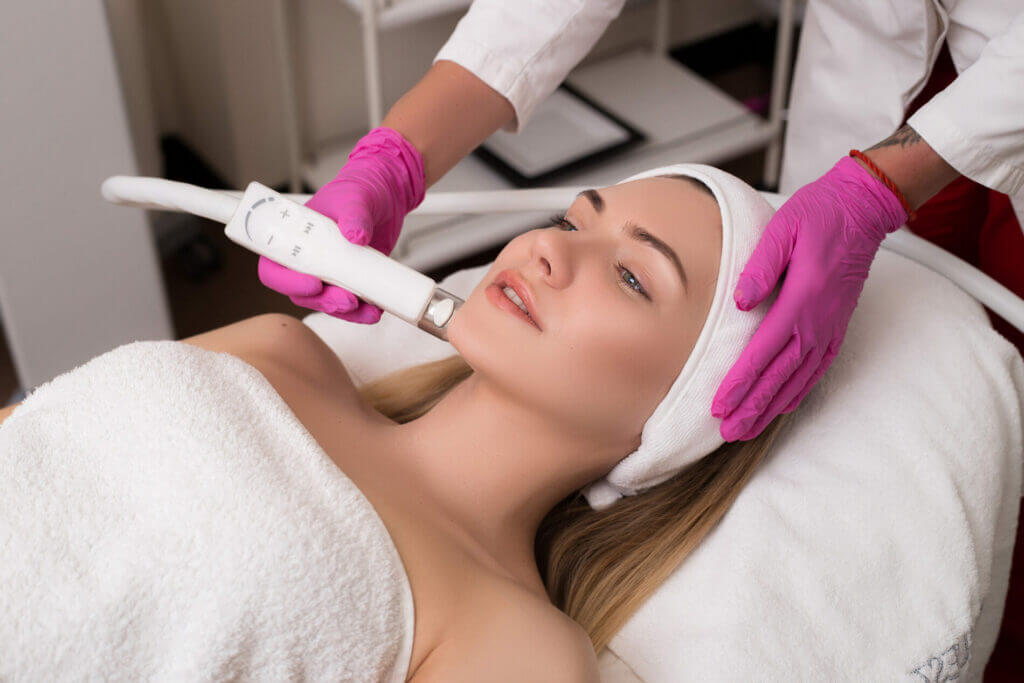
496	294
512	278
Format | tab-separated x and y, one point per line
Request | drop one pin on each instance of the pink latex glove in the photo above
382	181
824	238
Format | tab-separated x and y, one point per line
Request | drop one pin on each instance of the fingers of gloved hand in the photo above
357	224
365	313
766	265
786	394
331	300
349	205
769	339
826	361
287	281
764	390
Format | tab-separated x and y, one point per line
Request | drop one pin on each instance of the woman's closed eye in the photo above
635	286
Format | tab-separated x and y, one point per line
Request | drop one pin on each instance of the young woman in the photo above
475	463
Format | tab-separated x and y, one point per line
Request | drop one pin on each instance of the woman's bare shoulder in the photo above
277	344
6	412
518	637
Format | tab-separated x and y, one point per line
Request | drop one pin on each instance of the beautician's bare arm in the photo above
446	115
912	164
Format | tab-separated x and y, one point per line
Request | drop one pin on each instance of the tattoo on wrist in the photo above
904	137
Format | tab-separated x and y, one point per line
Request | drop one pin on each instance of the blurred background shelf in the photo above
684	117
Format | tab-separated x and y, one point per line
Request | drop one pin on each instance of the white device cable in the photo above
170	195
223	205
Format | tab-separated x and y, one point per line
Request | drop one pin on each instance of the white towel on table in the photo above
165	516
874	544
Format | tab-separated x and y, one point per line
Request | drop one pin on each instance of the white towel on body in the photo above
165	516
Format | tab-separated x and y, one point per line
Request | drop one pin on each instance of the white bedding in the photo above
875	542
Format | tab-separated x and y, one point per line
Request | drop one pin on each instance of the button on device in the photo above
259	222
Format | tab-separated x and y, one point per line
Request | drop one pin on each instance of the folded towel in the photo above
165	516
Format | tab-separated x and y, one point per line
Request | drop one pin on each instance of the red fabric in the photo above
979	226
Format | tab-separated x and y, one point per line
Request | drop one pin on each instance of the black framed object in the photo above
576	134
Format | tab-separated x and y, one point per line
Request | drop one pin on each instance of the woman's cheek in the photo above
611	358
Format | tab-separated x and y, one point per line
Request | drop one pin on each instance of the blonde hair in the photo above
599	566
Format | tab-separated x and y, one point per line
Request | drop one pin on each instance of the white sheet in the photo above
875	543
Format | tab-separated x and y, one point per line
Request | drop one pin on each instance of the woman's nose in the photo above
549	258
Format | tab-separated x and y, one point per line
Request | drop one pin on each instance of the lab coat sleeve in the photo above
977	123
525	49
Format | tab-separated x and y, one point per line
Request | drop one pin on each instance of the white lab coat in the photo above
858	66
525	49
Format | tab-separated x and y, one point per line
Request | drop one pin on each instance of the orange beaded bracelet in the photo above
857	154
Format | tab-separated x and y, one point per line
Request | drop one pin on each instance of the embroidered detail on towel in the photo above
947	665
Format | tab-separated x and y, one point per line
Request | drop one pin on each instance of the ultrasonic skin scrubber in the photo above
285	231
299	238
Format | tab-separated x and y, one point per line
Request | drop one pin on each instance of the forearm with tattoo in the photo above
912	164
904	137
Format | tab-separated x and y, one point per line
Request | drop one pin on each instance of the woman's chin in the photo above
455	328
480	341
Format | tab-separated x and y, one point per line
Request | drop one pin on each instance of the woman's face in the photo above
614	321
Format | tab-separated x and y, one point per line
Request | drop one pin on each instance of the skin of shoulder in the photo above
276	344
6	412
538	646
274	335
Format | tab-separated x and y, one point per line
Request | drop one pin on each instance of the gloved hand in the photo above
382	181
825	238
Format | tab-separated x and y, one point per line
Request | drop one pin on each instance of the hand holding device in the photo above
382	181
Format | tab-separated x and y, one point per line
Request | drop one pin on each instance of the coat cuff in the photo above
968	155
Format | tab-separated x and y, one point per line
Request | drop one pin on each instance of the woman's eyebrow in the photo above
595	199
640	234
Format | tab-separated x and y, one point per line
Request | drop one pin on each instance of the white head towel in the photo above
682	430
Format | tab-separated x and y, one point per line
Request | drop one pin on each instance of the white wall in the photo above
78	276
216	82
129	23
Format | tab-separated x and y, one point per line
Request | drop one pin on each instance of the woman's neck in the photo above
494	469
